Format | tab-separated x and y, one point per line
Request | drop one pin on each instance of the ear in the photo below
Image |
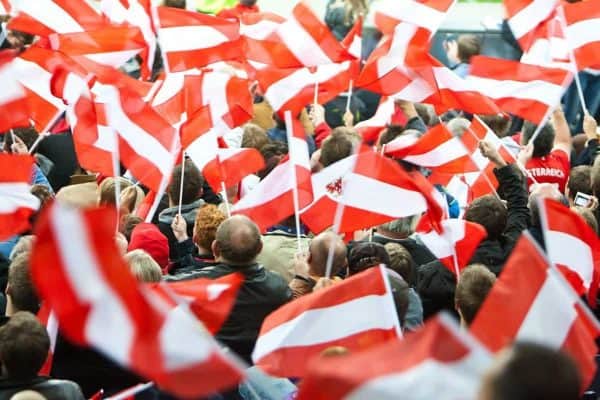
215	249
260	247
7	291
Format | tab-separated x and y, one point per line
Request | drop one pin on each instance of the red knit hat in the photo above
149	238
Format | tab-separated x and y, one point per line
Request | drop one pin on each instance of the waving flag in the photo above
448	361
192	40
528	91
517	308
353	40
353	181
14	110
563	229
6	7
525	16
455	246
371	128
302	329
582	27
428	13
77	269
17	204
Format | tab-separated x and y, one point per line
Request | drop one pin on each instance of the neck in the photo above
202	251
391	235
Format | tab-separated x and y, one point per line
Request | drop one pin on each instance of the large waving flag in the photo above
438	362
525	16
537	304
77	269
14	110
429	14
582	27
302	329
17	204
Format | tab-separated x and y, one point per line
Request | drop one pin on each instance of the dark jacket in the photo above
61	151
51	389
262	293
166	217
188	260
419	253
588	155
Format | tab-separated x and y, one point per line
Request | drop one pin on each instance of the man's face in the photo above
248	3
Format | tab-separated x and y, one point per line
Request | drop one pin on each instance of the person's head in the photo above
128	225
498	123
427	114
390	133
42	193
208	220
580	181
400	290
248	3
401	262
544	142
192	184
489	212
468	47
23	246
149	238
318	251
400	228
107	189
24	345
20	292
458	126
175	3
340	144
238	241
27	135
273	152
143	266
254	137
542	191
365	255
588	216
27	395
474	284
529	371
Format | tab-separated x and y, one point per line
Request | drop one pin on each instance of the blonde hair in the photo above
356	9
106	190
143	266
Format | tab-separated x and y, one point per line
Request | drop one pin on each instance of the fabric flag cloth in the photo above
209	300
353	40
303	40
437	150
48	319
353	182
582	32
6	7
525	16
17	204
45	17
76	268
430	13
272	200
293	89
537	304
371	128
14	109
449	360
302	329
528	91
192	40
564	229
549	46
455	246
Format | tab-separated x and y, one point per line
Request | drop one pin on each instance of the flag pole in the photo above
226	199
288	124
37	142
316	99
181	184
349	100
117	173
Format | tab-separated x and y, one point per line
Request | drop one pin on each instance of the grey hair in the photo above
403	226
458	126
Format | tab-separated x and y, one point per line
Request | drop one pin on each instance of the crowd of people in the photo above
191	236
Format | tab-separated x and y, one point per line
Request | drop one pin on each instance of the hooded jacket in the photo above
166	217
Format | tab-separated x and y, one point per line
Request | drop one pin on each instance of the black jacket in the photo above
262	293
51	389
419	253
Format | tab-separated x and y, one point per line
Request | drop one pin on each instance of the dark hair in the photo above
337	146
390	133
365	255
42	193
20	287
27	135
24	345
129	223
500	124
468	46
543	143
192	183
473	286
489	212
535	372
580	181
401	262
238	240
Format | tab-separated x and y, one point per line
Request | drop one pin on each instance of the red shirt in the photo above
554	168
237	11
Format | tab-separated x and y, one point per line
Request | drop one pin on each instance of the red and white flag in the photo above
352	183
525	90
303	40
429	14
302	329
353	40
448	361
582	32
193	40
273	199
48	318
17	203
14	109
525	16
293	89
6	7
537	304
437	150
549	46
564	229
455	246
43	17
77	269
371	128
209	300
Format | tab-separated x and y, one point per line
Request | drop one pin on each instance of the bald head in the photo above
237	242
27	395
319	250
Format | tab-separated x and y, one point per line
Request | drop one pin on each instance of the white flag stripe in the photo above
16	195
578	257
302	45
442	154
84	273
115	58
537	90
36	79
214	93
443	246
299	153
50	14
382	116
530	16
583	32
259	31
11	89
189	38
413	12
416	91
321	328
536	325
275	184
204	149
